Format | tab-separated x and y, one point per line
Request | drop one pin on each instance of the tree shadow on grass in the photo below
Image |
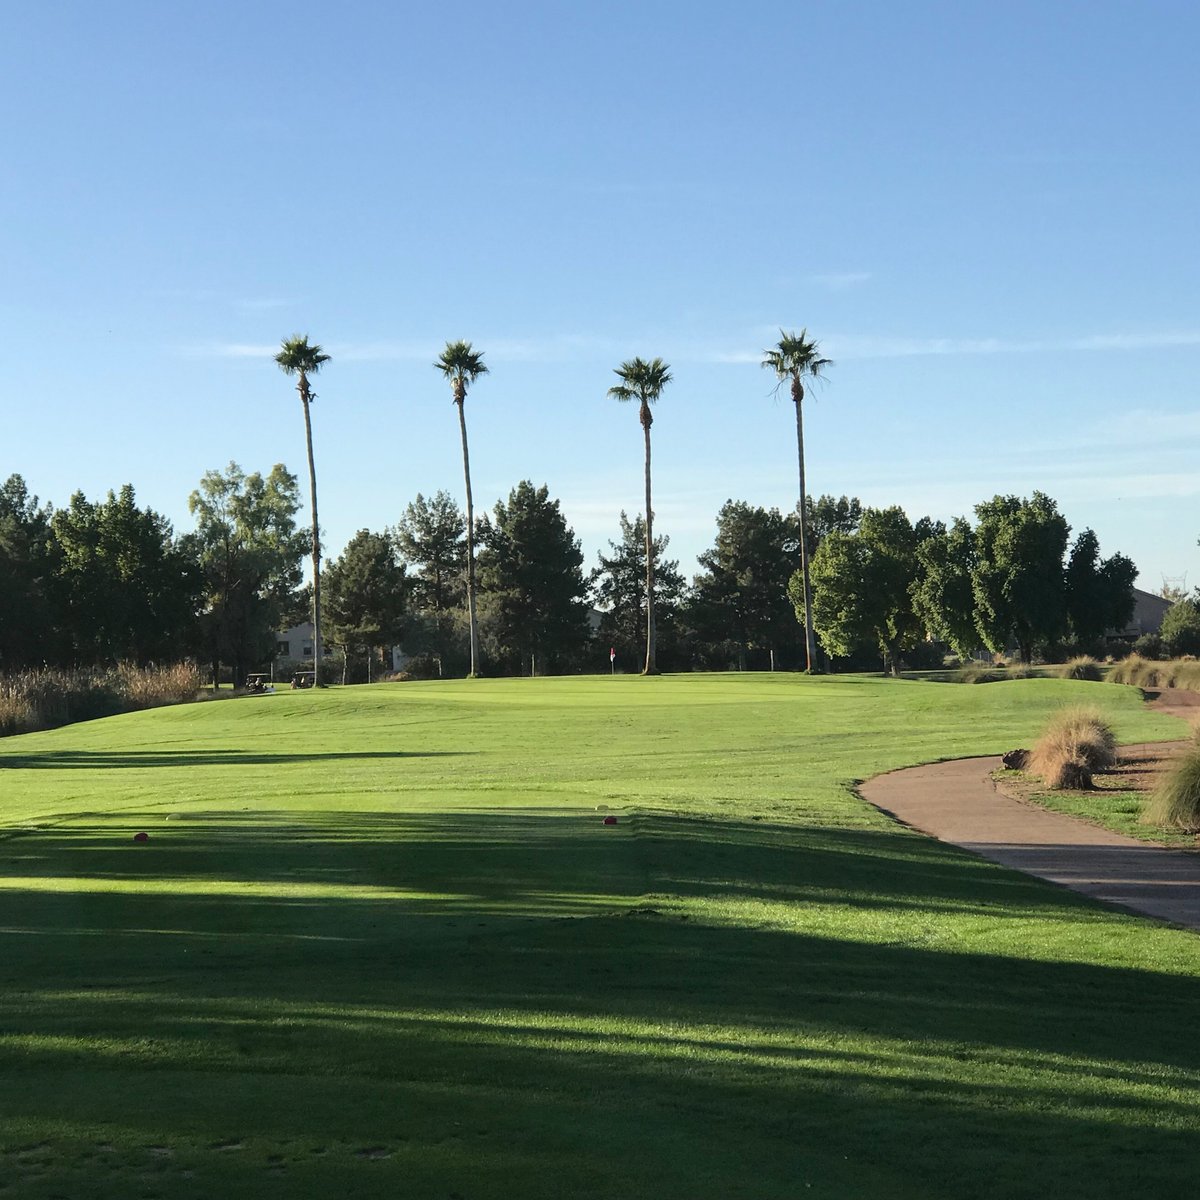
440	1020
92	759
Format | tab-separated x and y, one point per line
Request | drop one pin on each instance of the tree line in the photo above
102	581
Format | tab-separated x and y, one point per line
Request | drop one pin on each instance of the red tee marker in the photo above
610	820
141	837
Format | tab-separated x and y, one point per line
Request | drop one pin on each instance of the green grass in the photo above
381	944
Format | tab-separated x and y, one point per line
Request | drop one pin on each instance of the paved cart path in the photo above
959	803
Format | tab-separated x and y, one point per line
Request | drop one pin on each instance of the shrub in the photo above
1076	743
1083	667
1020	670
1149	645
1175	803
925	656
1180	629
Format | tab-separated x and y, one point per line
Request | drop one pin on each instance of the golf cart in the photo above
258	683
304	679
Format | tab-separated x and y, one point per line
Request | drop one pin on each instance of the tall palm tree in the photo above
462	365
795	359
297	357
644	381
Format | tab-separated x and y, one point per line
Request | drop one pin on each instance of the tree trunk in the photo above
302	386
651	667
462	425
798	397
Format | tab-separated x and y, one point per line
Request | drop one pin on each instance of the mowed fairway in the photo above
380	943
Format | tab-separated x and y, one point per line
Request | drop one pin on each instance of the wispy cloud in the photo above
839	281
850	346
252	304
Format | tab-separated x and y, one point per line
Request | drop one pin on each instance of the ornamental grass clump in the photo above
1084	667
1175	803
1077	743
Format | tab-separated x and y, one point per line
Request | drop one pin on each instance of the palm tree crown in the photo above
797	358
641	381
462	364
297	357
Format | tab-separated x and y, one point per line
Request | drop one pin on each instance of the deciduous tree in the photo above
250	552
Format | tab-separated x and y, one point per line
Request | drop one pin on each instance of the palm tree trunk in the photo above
462	425
651	667
808	627
316	537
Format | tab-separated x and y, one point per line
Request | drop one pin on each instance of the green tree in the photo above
250	553
1099	593
127	589
943	594
365	593
1180	629
861	587
740	598
530	569
620	588
461	364
297	357
793	360
1018	582
28	624
431	536
644	382
826	514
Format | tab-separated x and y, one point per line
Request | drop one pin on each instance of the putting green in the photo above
380	941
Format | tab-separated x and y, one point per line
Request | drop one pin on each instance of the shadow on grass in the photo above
92	759
438	1017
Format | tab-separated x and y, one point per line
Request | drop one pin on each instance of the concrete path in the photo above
957	802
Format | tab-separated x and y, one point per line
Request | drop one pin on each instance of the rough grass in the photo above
50	697
1076	743
1084	667
380	943
1175	802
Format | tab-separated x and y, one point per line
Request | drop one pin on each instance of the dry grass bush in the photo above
1136	671
1020	671
1076	743
1175	803
47	698
1084	667
1146	673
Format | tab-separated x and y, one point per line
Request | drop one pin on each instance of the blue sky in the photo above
985	213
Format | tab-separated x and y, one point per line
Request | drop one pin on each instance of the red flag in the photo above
612	653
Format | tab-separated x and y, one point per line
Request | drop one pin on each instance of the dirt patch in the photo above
1174	699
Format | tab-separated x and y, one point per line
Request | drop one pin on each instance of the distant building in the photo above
1148	613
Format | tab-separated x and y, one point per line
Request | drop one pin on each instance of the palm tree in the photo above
644	381
297	357
462	365
795	359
